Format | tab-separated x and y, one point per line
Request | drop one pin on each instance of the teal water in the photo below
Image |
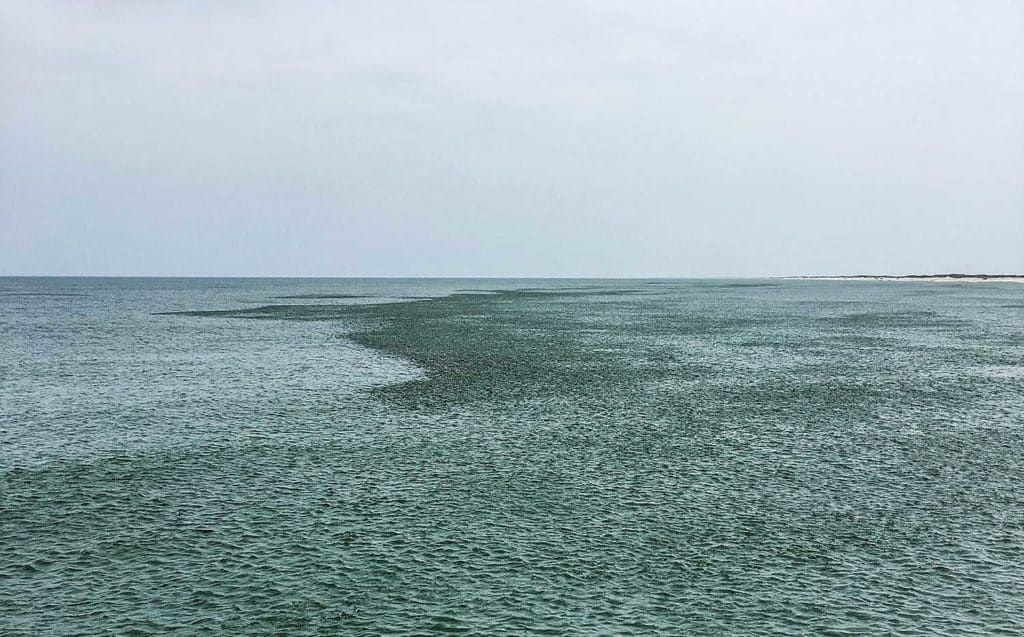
420	457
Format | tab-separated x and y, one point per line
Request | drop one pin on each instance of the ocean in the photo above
510	457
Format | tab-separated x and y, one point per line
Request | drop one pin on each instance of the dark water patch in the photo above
857	341
837	302
45	294
768	342
507	345
314	312
321	296
524	293
897	319
727	286
485	348
971	300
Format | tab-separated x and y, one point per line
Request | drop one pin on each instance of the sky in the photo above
519	138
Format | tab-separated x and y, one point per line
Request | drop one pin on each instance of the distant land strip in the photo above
964	278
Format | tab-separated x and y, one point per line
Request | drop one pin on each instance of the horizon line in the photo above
507	277
331	276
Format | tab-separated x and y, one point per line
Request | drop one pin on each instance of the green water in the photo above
404	457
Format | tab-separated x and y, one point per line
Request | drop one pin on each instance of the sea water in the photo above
510	457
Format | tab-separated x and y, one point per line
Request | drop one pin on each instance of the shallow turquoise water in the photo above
260	456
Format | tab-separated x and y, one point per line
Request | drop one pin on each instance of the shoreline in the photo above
941	278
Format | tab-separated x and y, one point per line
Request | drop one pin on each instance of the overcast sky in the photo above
511	138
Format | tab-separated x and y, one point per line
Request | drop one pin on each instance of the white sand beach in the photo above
947	278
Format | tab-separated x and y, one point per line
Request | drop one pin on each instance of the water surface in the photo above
503	457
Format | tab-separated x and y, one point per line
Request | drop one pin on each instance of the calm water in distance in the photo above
510	457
